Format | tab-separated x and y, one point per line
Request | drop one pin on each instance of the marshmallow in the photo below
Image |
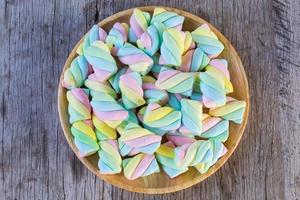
95	86
84	138
114	80
139	22
214	128
102	130
194	60
163	118
172	47
233	110
191	112
149	41
212	88
221	66
79	107
139	166
179	139
207	41
107	109
163	20
135	58
153	94
175	81
135	139
174	101
110	161
95	34
75	75
193	153
117	36
131	88
218	150
98	55
166	157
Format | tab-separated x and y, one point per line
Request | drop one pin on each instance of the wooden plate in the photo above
160	182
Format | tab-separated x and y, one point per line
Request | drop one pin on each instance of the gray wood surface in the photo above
35	39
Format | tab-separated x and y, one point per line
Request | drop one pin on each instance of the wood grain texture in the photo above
36	37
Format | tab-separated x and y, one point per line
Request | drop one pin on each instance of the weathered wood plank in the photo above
36	37
287	40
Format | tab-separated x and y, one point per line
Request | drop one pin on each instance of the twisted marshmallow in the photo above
79	107
163	118
194	60
166	157
98	55
139	21
179	139
137	60
107	109
139	166
102	130
214	128
191	112
233	110
193	153
84	138
75	75
97	87
221	65
96	33
207	41
175	81
149	41
163	20
110	161
212	88
117	36
218	150
135	139
152	94
172	47
131	88
157	131
114	80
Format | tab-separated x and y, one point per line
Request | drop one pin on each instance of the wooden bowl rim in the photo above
172	188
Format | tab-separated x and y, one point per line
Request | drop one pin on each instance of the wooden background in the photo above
35	39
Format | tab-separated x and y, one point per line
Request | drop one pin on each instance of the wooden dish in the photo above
160	183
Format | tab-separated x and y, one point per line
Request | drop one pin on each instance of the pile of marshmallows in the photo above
150	95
